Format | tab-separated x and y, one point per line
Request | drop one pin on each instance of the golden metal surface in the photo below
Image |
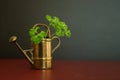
42	54
58	44
41	57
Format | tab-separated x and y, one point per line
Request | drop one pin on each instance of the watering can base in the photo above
42	64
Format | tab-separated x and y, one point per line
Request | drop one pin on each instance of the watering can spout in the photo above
13	40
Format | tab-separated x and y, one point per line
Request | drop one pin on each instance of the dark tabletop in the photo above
20	69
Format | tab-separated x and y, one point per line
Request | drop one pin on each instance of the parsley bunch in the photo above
61	29
36	36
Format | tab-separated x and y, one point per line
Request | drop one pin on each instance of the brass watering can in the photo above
40	55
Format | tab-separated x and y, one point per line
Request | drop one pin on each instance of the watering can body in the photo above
40	55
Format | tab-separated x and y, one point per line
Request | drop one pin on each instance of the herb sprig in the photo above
61	29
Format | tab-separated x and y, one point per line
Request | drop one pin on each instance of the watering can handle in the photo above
58	44
44	25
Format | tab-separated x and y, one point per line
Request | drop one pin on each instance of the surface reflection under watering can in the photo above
46	75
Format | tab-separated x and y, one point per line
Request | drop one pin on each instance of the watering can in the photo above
40	55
